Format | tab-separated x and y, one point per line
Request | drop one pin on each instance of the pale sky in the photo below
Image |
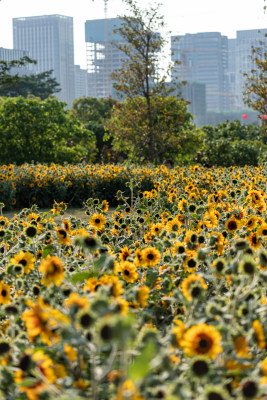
181	16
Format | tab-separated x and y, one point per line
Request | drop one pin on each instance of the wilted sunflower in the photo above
202	339
53	271
150	256
98	221
25	259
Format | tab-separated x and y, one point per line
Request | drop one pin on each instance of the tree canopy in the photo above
12	85
42	131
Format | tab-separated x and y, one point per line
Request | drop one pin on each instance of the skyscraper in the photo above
245	40
102	56
49	40
203	58
13	54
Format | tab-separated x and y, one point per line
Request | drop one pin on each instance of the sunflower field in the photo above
164	297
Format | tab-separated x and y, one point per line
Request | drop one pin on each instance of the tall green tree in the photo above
174	136
42	131
12	85
141	75
93	113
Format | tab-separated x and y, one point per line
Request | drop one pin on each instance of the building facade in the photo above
203	58
102	55
49	40
11	55
81	82
245	41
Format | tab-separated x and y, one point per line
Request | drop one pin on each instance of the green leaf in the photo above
81	276
47	250
140	367
151	278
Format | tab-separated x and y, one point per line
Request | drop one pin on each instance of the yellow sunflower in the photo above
202	339
63	237
156	229
173	226
259	333
143	295
98	221
128	271
251	223
150	256
232	225
4	293
125	253
53	271
25	259
187	282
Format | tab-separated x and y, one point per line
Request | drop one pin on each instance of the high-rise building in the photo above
81	82
203	58
102	56
11	55
49	40
245	41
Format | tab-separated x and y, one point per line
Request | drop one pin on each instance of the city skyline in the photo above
181	17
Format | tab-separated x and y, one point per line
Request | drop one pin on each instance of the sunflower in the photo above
251	223
232	225
255	240
125	253
187	282
150	256
178	331
241	346
41	320
138	260
259	333
156	229
142	295
202	339
4	293
25	259
98	221
128	271
63	236
66	225
173	226
74	300
210	219
104	206
53	271
262	230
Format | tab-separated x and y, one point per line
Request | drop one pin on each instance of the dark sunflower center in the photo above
97	221
248	268
191	263
175	227
63	233
3	293
254	240
214	396
204	345
219	266
232	226
200	367
250	222
150	256
126	272
23	262
264	232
